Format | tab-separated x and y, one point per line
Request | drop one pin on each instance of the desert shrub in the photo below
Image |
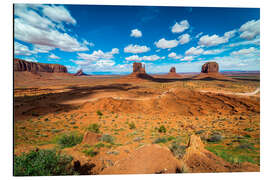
99	145
93	128
132	125
90	152
162	129
107	138
160	140
178	150
99	113
69	140
42	163
248	129
199	132
170	138
215	138
137	139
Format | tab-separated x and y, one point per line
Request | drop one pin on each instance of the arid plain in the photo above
140	123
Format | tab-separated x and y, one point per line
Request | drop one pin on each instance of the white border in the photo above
6	89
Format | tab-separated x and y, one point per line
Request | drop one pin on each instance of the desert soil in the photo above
47	105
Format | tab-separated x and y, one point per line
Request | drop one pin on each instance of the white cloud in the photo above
98	55
136	33
30	27
250	29
230	34
85	42
53	56
180	27
255	41
42	49
20	49
215	40
187	58
199	35
165	44
212	40
173	55
214	51
245	51
144	58
136	49
194	51
58	14
185	38
103	63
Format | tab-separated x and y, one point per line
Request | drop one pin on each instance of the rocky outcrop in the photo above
22	65
148	159
210	67
137	67
80	73
91	138
173	70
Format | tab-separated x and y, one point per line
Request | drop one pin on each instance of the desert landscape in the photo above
140	123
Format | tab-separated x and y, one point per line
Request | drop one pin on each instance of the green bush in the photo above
107	138
69	140
162	129
42	163
99	113
90	152
93	128
215	138
178	150
132	125
160	140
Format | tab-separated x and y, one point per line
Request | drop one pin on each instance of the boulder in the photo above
148	159
210	67
91	138
22	65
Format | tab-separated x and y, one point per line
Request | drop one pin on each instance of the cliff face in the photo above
210	67
22	65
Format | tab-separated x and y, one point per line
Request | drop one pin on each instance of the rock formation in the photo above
137	67
210	67
139	72
148	159
173	70
80	73
210	71
22	65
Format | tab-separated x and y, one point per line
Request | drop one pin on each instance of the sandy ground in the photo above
49	105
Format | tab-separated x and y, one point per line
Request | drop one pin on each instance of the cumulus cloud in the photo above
58	14
136	33
53	56
214	51
173	55
187	58
42	49
185	38
144	58
136	49
250	29
85	42
20	49
215	40
255	41
199	35
194	51
166	44
30	27
98	55
180	27
245	51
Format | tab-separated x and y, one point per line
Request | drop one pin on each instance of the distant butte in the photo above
22	65
139	72
80	73
210	71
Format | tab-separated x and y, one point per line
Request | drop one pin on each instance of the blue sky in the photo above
108	39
